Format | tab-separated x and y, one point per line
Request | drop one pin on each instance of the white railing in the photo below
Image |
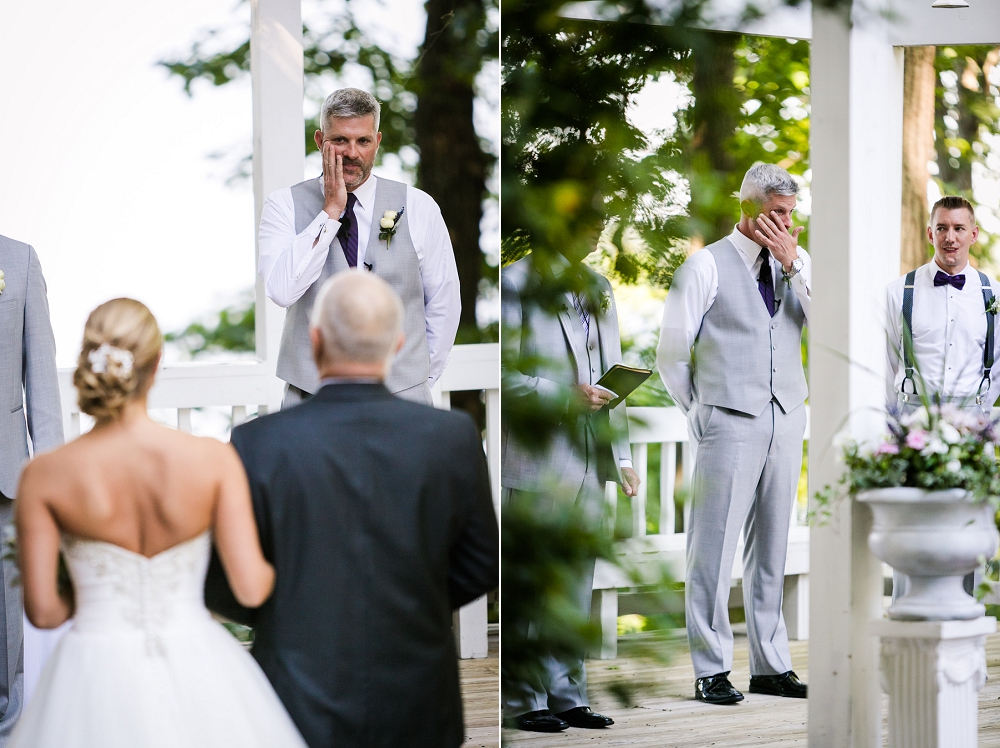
648	553
246	386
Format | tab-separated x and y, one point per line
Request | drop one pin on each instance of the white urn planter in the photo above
936	538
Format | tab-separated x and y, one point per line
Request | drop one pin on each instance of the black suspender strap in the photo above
908	335
984	385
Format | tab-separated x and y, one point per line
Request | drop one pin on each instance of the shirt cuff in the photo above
623	463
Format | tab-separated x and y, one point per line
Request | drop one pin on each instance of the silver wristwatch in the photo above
797	264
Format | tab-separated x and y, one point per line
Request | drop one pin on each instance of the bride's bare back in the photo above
137	485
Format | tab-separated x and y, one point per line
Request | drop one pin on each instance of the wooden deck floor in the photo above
666	715
481	699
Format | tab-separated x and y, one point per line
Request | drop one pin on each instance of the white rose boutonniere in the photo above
605	302
992	308
3	283
388	225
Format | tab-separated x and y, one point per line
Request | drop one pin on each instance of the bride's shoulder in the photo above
205	447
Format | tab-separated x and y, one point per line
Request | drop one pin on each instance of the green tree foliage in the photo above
751	103
966	121
232	330
427	110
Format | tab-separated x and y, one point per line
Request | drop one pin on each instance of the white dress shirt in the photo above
691	295
949	332
290	263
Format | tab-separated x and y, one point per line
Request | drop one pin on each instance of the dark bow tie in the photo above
943	279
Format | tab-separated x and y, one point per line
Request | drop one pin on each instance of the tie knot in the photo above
764	253
352	199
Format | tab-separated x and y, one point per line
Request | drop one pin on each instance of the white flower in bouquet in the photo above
917	419
953	466
935	445
949	433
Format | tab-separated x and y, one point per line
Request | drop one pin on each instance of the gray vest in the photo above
396	264
742	357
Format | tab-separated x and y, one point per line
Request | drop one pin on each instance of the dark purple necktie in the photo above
943	279
765	283
348	233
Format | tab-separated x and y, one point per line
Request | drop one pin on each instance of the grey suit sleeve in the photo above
38	369
619	416
515	382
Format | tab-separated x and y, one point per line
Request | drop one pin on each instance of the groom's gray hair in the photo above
359	316
763	180
349	102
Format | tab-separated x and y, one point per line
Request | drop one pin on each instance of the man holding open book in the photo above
556	348
730	357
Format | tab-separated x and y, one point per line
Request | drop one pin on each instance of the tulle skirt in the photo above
192	686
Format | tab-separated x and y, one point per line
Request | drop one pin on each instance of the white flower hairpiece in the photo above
99	360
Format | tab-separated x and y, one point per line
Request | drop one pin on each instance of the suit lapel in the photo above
567	325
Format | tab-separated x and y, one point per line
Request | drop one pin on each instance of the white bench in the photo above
649	553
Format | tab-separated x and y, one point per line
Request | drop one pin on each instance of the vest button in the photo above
775	368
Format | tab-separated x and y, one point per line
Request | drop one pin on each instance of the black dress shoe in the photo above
786	684
716	689
581	716
540	721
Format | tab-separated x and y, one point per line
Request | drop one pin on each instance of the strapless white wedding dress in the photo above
145	665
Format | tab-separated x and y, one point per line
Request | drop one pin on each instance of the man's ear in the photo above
318	138
316	339
749	209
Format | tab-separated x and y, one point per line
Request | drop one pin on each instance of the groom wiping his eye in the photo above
349	218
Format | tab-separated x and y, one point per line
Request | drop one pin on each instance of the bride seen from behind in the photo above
135	506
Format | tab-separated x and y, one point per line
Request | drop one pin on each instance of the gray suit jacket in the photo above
29	389
539	362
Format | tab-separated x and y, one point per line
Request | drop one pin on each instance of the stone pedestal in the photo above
933	671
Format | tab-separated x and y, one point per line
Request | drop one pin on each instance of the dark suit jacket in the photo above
377	515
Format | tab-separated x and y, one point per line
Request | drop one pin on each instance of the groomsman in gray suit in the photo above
31	410
730	357
559	358
350	218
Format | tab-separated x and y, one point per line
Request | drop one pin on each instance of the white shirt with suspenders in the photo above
953	344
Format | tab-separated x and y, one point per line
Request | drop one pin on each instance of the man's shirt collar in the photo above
747	246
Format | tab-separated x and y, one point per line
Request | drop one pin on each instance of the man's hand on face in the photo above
593	398
630	481
334	188
784	245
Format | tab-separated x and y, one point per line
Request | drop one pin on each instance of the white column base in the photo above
604	612
471	626
933	672
795	606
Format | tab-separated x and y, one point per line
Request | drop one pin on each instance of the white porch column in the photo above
856	153
278	149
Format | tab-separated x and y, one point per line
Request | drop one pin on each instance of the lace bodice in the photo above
119	591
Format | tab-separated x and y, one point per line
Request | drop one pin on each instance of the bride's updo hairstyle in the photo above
121	347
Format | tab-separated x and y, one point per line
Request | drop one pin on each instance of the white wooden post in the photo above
856	152
668	480
276	69
640	453
493	443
